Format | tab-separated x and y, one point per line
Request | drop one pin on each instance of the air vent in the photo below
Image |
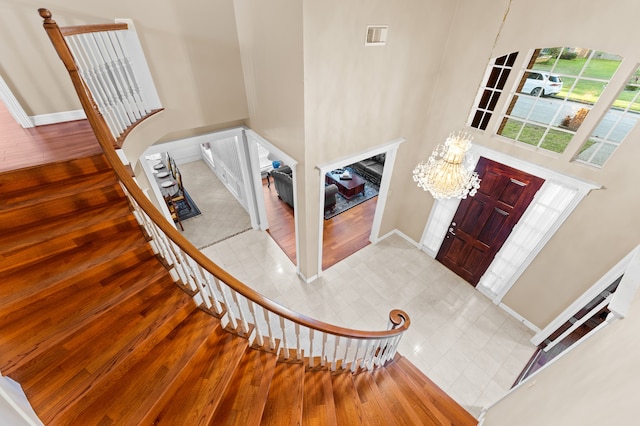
376	35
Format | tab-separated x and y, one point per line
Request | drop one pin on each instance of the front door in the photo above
483	222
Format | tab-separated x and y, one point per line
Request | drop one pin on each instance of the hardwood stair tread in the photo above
59	189
375	409
80	351
347	402
147	380
17	180
23	217
244	398
59	245
79	386
55	227
194	397
60	315
284	401
318	400
48	277
436	396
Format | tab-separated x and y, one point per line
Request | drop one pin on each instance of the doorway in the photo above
482	223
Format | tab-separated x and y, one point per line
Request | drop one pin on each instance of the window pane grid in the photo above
555	94
614	127
489	93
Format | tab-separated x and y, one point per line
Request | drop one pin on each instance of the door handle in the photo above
451	231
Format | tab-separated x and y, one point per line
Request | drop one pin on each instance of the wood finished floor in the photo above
343	234
21	148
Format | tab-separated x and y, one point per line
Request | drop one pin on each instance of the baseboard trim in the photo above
398	233
519	317
58	117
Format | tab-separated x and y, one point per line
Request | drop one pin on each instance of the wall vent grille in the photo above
376	35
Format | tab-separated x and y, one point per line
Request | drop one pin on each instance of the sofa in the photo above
370	168
283	181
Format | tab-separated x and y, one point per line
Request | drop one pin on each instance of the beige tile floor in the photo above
222	215
471	348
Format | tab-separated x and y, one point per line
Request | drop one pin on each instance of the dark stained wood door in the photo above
483	222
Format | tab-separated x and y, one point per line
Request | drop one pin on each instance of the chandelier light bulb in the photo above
447	173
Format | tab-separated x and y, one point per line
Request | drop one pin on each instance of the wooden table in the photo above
349	188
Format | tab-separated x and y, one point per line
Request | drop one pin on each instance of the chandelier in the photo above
448	173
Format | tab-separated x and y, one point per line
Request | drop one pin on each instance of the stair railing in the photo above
266	324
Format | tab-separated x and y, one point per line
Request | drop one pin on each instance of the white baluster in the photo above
230	308
272	340
259	337
91	79
323	356
311	361
243	321
298	346
124	58
211	291
354	362
285	346
335	353
109	60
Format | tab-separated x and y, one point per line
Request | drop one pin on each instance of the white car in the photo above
542	84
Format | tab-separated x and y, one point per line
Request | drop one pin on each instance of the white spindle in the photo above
258	328
120	49
211	290
94	58
272	340
243	320
334	358
323	356
298	346
285	345
229	315
311	361
109	61
354	362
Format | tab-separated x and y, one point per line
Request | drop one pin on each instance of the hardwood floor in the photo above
21	148
343	235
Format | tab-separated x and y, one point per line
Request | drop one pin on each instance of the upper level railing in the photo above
267	325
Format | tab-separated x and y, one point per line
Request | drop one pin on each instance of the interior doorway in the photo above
482	223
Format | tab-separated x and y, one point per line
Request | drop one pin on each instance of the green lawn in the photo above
555	140
589	91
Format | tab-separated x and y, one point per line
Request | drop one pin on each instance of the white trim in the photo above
627	266
400	234
534	169
582	187
610	319
254	137
389	149
13	106
58	117
256	180
519	317
17	410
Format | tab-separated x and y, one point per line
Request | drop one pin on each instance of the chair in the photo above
180	196
174	212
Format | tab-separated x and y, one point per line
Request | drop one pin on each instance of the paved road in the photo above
552	110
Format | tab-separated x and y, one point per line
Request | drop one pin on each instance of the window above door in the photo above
552	98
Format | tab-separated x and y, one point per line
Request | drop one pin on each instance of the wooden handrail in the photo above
399	319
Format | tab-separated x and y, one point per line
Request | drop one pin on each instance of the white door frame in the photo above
254	138
389	149
435	230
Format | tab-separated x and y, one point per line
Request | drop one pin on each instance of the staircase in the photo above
96	332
